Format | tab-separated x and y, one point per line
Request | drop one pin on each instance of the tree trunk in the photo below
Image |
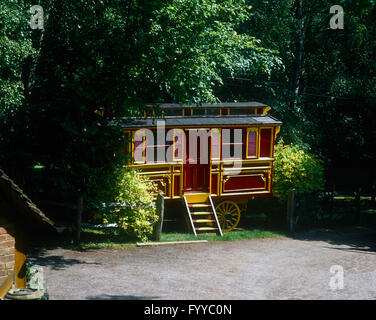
299	54
80	205
291	210
357	205
157	230
373	190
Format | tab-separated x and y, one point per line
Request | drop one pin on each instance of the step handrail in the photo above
215	216
189	216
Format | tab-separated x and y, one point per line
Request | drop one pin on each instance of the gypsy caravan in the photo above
214	157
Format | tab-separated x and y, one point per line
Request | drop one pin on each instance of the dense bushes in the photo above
136	192
295	168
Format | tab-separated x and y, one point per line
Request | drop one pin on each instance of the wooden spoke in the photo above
228	213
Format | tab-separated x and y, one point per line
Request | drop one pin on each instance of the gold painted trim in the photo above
243	193
217	174
266	110
276	131
167	188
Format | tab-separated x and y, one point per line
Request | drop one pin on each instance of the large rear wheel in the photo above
228	213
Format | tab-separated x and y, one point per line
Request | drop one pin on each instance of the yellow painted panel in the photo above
197	197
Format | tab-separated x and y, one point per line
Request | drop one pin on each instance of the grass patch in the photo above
109	238
234	235
368	211
105	238
351	197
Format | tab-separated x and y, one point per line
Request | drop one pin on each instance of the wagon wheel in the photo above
228	213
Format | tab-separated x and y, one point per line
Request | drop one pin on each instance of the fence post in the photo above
331	200
291	209
157	229
80	204
357	205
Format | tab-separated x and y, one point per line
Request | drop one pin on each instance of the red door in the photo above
196	170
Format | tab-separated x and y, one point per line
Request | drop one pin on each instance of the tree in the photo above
136	193
15	48
296	169
116	55
325	94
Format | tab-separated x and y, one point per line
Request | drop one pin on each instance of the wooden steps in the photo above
201	214
199	205
206	228
203	220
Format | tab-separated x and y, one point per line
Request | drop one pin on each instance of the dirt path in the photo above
276	268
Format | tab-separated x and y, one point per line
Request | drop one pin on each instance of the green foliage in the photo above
325	94
15	48
297	169
195	44
114	55
136	192
119	54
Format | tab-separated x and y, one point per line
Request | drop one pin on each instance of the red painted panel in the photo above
188	177
214	182
176	185
265	142
259	110
196	178
201	172
239	183
195	171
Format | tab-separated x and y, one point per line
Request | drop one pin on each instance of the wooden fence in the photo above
79	207
329	203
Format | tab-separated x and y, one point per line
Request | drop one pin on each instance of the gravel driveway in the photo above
275	268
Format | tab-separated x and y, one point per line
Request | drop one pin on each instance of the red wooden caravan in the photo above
214	157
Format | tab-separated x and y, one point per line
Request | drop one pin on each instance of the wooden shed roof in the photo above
20	201
194	121
247	104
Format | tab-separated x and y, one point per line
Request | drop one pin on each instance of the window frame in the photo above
232	144
134	147
178	134
271	142
154	148
257	154
219	144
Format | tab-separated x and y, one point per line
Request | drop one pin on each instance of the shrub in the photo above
295	168
137	192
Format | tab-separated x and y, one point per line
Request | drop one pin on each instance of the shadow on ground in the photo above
56	262
356	239
117	297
